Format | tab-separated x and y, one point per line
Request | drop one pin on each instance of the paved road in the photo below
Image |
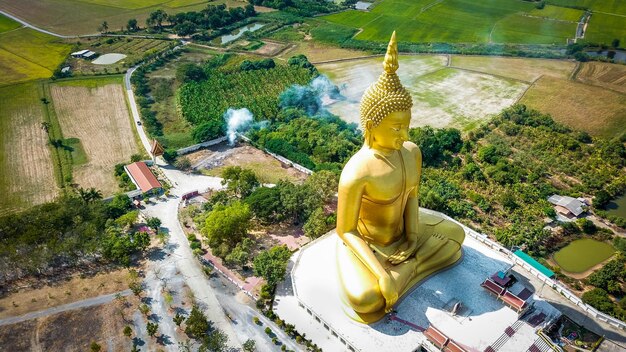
145	141
95	301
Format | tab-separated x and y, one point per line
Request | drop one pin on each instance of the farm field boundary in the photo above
95	112
27	172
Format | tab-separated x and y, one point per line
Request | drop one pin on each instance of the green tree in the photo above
315	225
178	319
208	130
599	299
227	224
601	199
154	223
241	253
190	72
119	205
152	328
131	26
265	203
95	347
239	181
104	27
325	183
197	325
128	331
215	341
249	345
615	43
272	264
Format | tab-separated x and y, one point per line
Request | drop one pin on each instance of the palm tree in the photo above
104	27
45	126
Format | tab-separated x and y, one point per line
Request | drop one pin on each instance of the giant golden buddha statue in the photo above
388	244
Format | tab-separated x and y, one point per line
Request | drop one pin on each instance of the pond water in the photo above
620	55
617	207
240	31
583	254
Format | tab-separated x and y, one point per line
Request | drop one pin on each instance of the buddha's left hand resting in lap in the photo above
388	244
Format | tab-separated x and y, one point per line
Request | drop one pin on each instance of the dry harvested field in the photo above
73	330
318	52
71	290
442	97
523	69
267	169
603	74
98	116
84	17
26	168
596	110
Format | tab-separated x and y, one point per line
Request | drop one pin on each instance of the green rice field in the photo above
138	4
489	21
26	54
603	28
581	255
610	6
7	24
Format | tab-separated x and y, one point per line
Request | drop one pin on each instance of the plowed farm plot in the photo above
26	168
603	74
98	116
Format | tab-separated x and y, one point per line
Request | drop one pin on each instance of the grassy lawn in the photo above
583	254
27	175
26	54
517	68
596	110
7	24
473	21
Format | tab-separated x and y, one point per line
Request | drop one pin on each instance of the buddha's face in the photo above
392	131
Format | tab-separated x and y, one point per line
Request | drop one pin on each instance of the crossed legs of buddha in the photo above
361	291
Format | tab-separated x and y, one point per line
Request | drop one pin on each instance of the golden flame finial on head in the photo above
391	57
387	94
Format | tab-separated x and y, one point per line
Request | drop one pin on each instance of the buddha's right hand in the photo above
388	289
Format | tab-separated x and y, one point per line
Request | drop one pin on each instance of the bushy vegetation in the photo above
504	172
251	88
67	232
305	8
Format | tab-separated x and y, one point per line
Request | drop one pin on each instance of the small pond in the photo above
240	31
617	206
581	255
620	55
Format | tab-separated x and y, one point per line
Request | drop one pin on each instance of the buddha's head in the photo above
386	106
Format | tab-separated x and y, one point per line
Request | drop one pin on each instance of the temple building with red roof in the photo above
142	177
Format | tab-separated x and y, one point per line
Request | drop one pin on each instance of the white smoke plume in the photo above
237	121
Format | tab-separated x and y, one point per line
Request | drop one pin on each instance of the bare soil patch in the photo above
270	48
317	52
73	330
596	110
523	69
70	290
267	169
99	117
26	169
603	74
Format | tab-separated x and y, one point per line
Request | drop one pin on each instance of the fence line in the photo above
193	148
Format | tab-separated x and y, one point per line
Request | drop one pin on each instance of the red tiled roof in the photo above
493	287
513	300
142	175
454	347
436	337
